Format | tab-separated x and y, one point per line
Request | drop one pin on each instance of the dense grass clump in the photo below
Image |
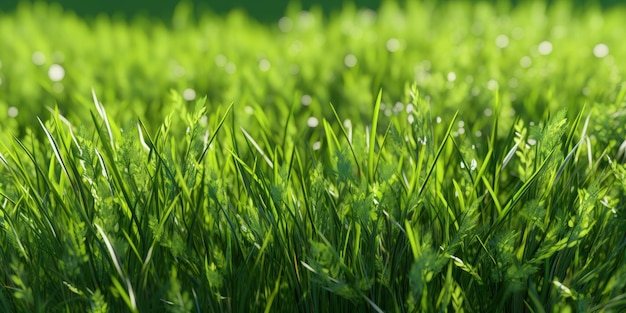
426	157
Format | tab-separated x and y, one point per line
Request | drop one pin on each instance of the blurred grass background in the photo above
264	11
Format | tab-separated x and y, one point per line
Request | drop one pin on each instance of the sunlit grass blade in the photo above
371	157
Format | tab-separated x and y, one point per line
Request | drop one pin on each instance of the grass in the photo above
448	169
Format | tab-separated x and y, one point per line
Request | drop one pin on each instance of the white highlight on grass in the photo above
189	94
510	155
264	65
348	125
3	160
438	119
13	111
525	62
38	58
350	60
502	41
451	77
600	50
411	119
103	115
473	165
285	24
393	45
141	139
488	112
248	109
306	100
410	108
513	83
118	267
545	47
312	122
56	72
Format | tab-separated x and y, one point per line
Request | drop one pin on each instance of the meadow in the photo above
424	157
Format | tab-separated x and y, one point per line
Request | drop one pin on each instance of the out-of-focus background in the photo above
264	11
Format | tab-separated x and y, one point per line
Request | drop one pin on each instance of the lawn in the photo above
425	157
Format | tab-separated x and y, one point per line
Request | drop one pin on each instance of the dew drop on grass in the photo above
438	119
285	24
56	72
38	58
306	19
230	68
526	62
461	124
220	60
398	107
492	85
487	112
312	122
13	112
178	71
347	123
411	119
264	65
600	50
317	145
545	47
306	100
478	133
473	165
393	45
451	77
189	94
248	109
410	108
502	41
350	60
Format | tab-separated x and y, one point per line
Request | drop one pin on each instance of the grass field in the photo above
426	157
